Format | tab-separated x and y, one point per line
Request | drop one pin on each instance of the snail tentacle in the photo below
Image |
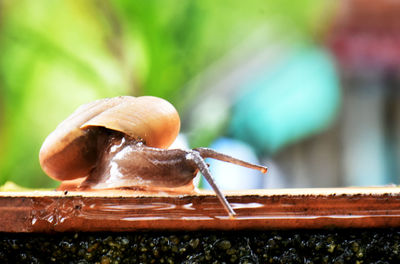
210	153
194	156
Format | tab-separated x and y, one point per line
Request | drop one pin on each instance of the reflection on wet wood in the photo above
53	211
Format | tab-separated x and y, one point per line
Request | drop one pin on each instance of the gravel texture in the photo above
296	246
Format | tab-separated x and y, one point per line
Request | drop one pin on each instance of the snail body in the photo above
129	163
122	142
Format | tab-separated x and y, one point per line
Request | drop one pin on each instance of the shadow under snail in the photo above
121	143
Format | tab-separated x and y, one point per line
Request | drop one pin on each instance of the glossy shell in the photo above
71	151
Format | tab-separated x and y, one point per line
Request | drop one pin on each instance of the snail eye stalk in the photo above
199	162
199	154
210	153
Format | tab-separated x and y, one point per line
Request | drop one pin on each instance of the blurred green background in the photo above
55	56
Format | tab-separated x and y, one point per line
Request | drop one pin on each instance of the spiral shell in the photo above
71	150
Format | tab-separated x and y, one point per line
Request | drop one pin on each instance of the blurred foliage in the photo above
55	56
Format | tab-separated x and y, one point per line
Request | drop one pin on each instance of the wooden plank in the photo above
53	211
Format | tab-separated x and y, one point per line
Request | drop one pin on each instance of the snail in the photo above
122	142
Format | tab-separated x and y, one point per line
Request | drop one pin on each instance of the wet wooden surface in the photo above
53	211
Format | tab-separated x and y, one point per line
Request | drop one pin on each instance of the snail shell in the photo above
71	150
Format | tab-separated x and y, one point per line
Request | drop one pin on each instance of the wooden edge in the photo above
259	192
54	211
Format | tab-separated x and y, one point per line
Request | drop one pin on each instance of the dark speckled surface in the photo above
293	246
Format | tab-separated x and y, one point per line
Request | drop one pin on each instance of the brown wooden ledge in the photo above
54	211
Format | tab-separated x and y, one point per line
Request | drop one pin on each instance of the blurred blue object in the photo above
299	97
230	176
